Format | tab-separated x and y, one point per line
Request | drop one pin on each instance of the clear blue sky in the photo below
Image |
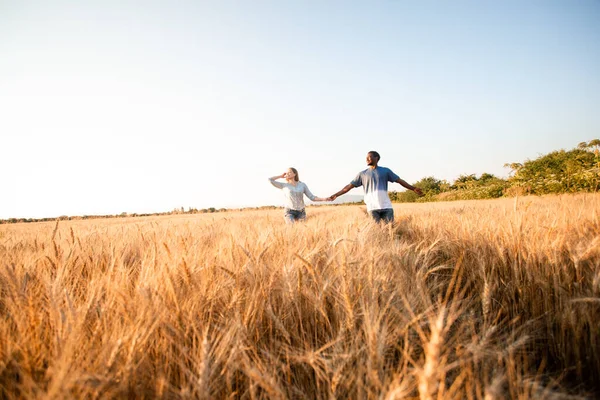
144	106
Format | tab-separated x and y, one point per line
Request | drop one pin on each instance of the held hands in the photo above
324	198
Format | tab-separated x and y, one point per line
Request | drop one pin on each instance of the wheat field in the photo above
482	299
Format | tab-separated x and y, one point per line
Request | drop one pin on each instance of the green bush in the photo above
558	172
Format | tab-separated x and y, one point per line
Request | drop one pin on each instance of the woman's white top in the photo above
294	195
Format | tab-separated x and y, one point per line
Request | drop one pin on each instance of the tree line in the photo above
561	171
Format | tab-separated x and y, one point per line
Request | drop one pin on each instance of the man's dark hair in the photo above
376	154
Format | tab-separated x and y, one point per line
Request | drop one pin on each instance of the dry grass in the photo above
487	299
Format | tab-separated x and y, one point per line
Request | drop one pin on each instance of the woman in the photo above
294	192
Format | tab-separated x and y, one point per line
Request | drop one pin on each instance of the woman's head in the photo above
292	174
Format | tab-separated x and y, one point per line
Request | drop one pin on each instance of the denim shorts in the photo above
292	216
386	215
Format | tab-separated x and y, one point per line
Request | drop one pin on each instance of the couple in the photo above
374	180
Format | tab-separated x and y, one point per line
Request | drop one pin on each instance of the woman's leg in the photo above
288	216
301	215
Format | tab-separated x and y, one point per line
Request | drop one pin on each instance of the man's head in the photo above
372	158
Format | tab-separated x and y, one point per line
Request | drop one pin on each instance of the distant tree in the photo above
464	181
592	144
485	177
403	197
514	167
594	147
430	185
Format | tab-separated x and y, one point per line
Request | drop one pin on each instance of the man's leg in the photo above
387	215
376	215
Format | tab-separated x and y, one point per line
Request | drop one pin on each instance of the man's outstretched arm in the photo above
346	189
409	186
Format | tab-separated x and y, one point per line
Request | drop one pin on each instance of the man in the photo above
375	182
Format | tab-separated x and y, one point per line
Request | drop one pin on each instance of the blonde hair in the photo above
297	178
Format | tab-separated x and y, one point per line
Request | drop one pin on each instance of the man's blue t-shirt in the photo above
375	182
